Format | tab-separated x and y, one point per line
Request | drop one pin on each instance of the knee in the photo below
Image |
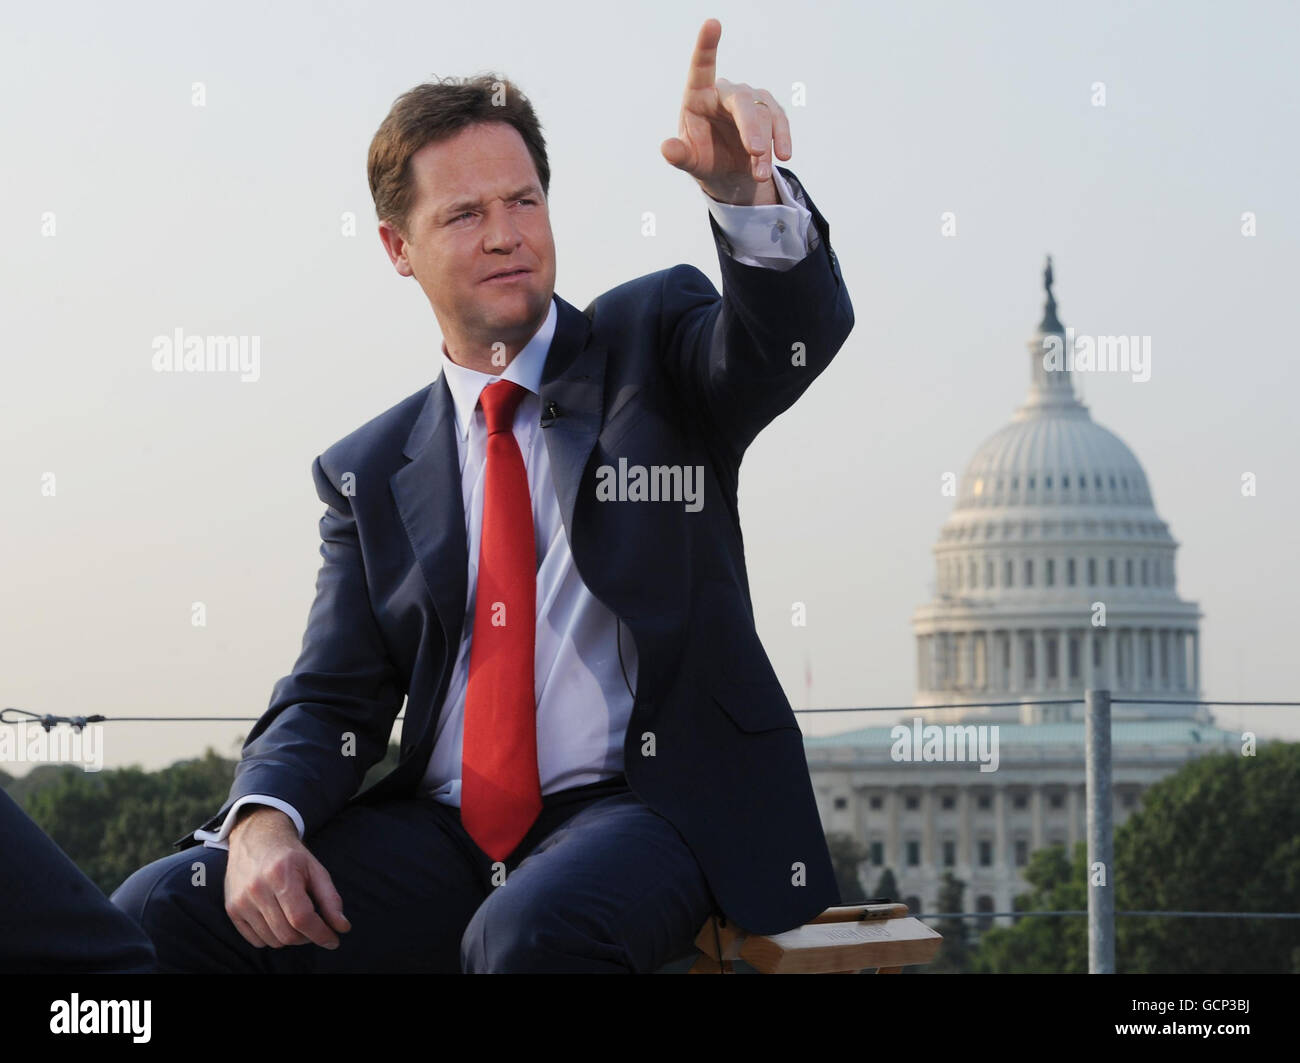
525	934
501	938
154	895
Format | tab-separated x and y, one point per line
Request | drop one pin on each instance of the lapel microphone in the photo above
550	414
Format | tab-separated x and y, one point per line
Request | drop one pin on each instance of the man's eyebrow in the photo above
474	204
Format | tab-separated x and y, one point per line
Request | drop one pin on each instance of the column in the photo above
1072	817
1161	661
1089	671
963	829
1180	655
1134	668
1000	838
970	659
1063	659
1040	661
1036	810
928	856
892	855
1196	661
1017	679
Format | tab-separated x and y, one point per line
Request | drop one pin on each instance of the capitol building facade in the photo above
1055	574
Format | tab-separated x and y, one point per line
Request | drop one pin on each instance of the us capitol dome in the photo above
1055	572
1054	527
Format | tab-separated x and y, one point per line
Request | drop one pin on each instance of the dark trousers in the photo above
599	884
53	919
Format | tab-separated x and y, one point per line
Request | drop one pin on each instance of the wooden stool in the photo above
842	940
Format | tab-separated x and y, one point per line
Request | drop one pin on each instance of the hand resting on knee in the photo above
272	881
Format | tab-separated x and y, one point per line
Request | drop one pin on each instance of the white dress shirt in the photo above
583	699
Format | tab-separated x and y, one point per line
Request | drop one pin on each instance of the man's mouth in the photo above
506	277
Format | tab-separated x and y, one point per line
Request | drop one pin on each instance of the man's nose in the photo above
500	231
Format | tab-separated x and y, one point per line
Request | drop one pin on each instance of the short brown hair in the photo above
438	110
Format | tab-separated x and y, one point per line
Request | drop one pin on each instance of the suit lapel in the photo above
428	495
572	393
427	489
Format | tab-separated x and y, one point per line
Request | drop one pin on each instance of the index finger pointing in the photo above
703	60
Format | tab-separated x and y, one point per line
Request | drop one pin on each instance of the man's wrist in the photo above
247	812
759	194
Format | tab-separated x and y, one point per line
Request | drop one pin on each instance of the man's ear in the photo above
395	244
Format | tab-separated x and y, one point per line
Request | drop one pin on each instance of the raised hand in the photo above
728	131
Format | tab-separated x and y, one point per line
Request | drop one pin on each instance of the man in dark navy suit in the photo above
53	919
541	552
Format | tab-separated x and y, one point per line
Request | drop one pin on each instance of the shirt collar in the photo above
525	369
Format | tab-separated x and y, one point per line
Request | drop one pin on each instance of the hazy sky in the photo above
227	219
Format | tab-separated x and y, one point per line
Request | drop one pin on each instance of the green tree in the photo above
1052	944
847	854
954	953
1220	834
887	885
112	822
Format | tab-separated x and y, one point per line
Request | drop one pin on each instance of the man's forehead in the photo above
474	166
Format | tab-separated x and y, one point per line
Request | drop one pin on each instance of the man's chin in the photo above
517	321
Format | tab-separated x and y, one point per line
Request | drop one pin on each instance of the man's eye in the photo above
465	214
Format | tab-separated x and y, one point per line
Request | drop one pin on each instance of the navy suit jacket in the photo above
657	371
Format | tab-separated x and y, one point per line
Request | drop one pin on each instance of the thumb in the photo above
321	888
676	152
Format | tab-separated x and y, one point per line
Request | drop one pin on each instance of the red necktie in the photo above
500	788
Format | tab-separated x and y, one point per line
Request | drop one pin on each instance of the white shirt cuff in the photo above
775	236
218	839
